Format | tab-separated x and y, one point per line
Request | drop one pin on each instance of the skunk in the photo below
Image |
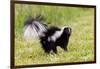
50	37
55	37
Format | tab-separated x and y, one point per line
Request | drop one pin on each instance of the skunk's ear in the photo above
39	17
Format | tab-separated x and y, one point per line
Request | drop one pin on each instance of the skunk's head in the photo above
67	31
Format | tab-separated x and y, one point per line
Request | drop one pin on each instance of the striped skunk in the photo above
50	37
56	37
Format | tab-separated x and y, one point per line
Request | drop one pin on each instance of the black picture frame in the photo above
12	48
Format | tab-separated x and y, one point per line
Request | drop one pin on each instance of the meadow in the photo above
81	44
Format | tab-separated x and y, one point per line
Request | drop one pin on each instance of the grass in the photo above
81	44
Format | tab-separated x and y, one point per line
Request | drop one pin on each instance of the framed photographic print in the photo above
51	34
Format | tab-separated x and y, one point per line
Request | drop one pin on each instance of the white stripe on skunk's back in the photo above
30	33
56	35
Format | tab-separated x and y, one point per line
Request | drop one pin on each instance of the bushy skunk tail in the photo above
34	28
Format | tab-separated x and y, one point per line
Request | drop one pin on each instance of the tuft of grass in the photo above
81	44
